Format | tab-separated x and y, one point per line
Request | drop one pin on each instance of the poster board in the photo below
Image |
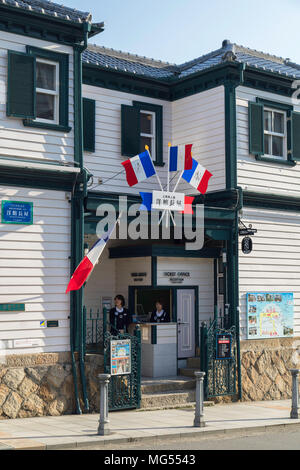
120	354
270	315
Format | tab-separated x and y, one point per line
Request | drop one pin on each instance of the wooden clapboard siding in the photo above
105	162
201	275
256	175
274	264
31	143
200	120
35	270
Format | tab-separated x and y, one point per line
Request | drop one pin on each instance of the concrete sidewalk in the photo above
133	426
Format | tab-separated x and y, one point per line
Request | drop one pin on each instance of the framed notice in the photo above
270	315
120	357
223	346
17	212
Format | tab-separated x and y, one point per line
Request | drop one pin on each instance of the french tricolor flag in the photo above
138	168
86	266
180	157
198	177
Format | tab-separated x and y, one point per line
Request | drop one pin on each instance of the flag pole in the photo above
147	148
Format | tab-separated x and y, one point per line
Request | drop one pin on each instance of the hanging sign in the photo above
247	245
120	357
16	212
170	201
223	346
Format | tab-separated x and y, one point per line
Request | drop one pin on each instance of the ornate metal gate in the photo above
124	391
220	378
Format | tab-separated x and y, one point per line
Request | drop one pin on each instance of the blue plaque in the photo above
17	212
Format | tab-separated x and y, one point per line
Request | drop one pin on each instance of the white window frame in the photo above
276	134
152	136
54	93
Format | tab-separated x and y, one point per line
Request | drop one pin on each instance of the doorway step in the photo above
192	366
167	393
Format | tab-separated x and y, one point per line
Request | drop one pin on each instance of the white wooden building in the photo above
70	114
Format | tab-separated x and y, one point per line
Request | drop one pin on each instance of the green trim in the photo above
40	26
153	334
262	158
14	80
275	104
154	270
63	61
166	251
256	128
271	201
230	135
158	110
78	112
89	124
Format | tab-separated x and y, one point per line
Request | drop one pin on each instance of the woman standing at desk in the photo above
119	316
159	315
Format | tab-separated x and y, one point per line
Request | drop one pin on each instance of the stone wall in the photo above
42	384
265	366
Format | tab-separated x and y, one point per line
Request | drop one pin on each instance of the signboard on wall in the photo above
270	315
223	346
120	356
16	212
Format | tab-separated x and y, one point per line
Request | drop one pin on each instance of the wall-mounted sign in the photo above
120	357
12	307
17	212
52	323
270	315
247	245
223	346
138	277
177	277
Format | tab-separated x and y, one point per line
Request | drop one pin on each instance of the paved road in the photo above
283	440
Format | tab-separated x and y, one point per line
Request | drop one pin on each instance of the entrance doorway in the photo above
186	323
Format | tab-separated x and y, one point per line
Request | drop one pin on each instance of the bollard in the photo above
199	412
295	394
103	428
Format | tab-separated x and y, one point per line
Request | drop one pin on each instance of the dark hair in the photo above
159	301
120	297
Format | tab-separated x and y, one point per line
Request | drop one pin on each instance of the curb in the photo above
203	433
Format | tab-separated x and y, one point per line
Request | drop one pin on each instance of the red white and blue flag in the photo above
86	266
180	158
139	168
198	177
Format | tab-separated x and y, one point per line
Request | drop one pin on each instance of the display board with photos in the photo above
270	315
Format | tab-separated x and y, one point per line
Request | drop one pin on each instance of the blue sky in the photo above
179	30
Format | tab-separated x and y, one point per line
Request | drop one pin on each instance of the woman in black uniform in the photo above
159	315
119	316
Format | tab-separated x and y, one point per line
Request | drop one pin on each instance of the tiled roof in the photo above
49	9
110	59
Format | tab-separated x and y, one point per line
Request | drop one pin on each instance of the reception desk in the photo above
159	349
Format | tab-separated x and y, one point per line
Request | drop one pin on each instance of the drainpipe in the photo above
77	317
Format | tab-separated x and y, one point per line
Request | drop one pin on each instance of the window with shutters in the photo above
274	130
275	133
147	128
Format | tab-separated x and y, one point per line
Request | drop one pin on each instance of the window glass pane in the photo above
278	123
220	266
146	123
146	141
45	106
45	76
221	286
267	144
277	146
267	120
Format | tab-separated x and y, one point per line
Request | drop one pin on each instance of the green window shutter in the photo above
21	85
294	136
130	130
89	124
256	128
